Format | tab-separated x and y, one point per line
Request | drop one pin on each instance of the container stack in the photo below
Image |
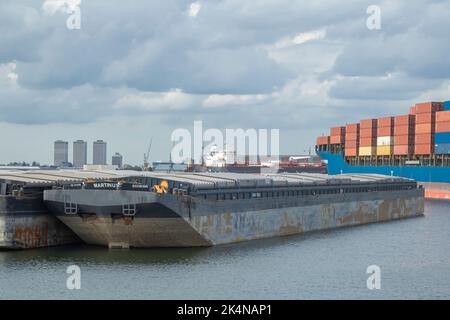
337	135
367	137
425	127
323	140
404	135
385	136
442	135
351	140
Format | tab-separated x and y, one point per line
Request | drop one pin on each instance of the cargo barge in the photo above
414	146
25	222
150	209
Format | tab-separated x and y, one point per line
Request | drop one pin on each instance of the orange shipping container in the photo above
367	133
337	131
424	128
427	107
336	139
322	140
352	128
402	130
423	149
386	122
404	139
368	124
367	142
425	118
422	139
351	152
351	144
402	150
403	120
442	127
385	131
443	116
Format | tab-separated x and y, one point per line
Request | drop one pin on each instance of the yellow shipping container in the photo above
367	151
384	150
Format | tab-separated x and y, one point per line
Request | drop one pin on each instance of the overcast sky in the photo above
137	69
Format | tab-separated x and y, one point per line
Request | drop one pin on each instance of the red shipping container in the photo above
351	144
443	116
352	128
336	139
337	131
385	122
423	149
385	131
427	107
424	128
423	139
402	150
322	140
425	118
403	120
367	133
351	152
368	124
367	142
404	139
442	127
402	130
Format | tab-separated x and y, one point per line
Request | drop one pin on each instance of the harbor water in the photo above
413	256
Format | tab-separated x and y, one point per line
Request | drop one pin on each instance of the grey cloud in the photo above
394	87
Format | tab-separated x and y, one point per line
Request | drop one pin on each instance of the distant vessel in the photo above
183	209
415	146
217	161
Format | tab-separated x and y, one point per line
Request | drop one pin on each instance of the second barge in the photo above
202	209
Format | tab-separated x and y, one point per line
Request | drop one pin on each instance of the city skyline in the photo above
80	154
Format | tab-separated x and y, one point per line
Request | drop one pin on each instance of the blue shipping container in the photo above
442	148
442	137
446	105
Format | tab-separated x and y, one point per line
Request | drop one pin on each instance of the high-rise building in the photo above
99	152
61	153
79	153
117	160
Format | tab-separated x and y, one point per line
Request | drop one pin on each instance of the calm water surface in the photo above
413	254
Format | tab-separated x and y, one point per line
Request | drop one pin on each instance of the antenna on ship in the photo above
147	155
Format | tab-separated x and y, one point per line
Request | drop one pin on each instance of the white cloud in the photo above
230	100
65	6
194	9
156	101
8	73
300	38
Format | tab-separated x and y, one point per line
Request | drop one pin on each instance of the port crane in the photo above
147	155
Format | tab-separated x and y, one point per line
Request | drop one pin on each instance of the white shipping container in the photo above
385	141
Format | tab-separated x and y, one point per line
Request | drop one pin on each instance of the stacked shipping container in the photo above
337	135
351	140
425	127
423	132
367	137
323	140
442	135
404	135
385	136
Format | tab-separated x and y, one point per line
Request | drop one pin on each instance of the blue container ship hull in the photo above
436	180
